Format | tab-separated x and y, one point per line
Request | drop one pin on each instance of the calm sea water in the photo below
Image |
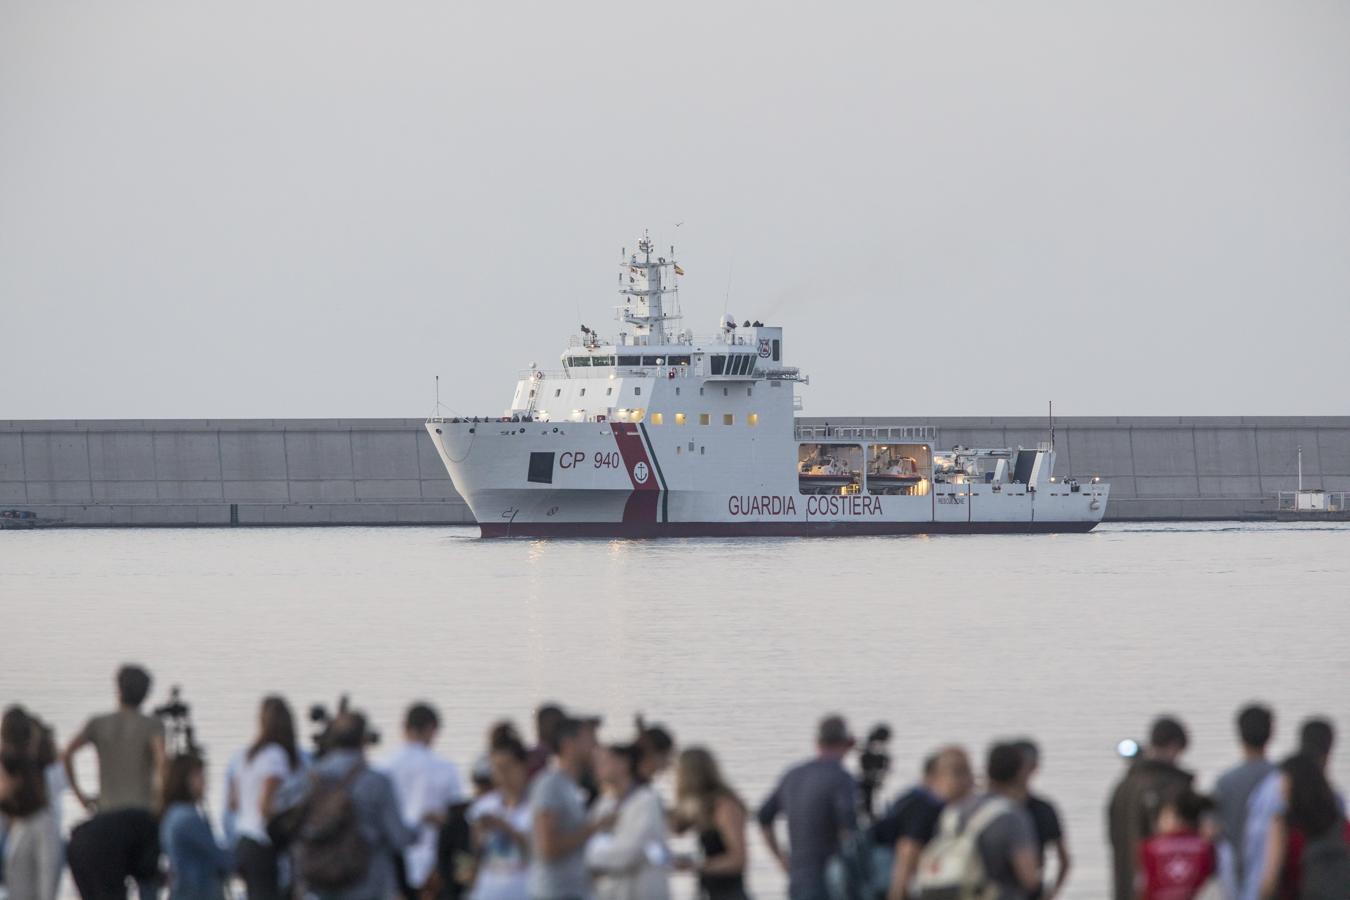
741	644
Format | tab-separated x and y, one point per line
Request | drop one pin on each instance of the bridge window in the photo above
719	364
630	360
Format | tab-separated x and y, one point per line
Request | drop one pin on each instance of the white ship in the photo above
662	433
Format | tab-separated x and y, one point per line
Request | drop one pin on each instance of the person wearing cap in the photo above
819	800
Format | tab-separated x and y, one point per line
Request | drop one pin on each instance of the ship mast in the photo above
642	284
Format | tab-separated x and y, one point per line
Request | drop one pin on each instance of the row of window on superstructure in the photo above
718	363
679	418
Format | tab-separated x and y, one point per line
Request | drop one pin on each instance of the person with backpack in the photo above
985	848
1308	845
1269	840
343	820
912	820
1138	797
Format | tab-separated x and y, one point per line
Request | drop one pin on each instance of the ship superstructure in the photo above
660	432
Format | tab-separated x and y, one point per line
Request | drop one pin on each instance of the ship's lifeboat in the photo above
904	471
824	476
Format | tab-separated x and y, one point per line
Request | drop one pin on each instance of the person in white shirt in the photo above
269	761
501	825
629	861
425	785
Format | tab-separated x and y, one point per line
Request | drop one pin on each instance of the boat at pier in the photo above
659	432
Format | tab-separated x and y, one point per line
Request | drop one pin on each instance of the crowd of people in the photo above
572	814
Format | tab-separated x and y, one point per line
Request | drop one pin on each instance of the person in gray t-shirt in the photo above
559	833
1008	844
1255	724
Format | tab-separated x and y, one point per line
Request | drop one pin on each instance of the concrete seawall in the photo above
385	471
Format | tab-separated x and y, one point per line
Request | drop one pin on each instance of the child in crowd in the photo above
1177	861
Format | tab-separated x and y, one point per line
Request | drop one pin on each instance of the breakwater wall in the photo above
385	471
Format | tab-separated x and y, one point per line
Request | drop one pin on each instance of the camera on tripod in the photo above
179	735
323	737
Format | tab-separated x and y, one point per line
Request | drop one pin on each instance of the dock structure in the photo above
221	472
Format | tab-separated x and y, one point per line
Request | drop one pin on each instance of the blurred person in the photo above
129	745
199	868
912	820
1004	846
1151	780
1307	852
112	847
1176	862
121	840
352	828
426	785
1045	818
503	731
657	748
1233	792
819	799
229	816
629	859
32	845
590	785
708	805
559	827
1269	804
874	764
501	825
547	718
270	760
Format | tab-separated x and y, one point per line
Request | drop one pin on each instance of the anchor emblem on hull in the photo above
641	473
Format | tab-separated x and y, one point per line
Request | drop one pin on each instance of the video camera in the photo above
179	735
320	716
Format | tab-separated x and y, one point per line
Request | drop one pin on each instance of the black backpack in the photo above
331	851
1325	867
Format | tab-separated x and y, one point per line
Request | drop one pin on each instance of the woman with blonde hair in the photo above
707	804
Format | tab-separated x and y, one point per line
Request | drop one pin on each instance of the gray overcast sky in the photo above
310	209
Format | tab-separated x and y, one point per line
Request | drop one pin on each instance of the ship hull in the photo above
605	480
769	529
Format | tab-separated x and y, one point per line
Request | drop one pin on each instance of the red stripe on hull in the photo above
769	529
643	503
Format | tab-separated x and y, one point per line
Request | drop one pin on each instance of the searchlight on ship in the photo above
660	432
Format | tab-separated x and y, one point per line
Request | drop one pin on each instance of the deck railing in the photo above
925	433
